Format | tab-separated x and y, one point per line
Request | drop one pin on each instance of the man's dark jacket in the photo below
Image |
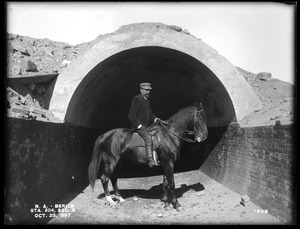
140	112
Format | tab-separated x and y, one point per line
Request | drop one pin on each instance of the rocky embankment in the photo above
31	57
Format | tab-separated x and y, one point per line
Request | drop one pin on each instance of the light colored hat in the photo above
146	86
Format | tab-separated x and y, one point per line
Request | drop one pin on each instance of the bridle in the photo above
163	123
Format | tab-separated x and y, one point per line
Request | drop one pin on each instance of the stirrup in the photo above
155	158
153	163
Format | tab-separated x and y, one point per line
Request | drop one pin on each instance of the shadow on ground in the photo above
155	191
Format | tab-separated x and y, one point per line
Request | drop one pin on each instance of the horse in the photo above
115	144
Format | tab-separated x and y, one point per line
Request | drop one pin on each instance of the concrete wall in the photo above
258	162
45	162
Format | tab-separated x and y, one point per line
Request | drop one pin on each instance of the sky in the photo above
257	36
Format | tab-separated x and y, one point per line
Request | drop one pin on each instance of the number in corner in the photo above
65	215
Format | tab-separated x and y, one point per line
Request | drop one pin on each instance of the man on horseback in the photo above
141	117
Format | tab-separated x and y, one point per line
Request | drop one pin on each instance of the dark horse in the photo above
115	144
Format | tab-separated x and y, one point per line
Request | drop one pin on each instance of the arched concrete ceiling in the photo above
178	81
96	90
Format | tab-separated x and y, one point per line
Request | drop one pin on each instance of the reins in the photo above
187	131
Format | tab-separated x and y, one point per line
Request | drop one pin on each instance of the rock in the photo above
257	110
28	65
186	32
245	198
159	215
25	52
38	111
20	110
18	48
50	53
65	63
274	118
200	193
264	76
176	28
66	47
46	42
31	86
135	198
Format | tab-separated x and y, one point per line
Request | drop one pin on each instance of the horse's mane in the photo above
182	113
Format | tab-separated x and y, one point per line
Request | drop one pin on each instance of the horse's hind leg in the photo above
116	189
105	179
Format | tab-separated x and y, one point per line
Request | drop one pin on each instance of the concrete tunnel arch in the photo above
95	90
102	99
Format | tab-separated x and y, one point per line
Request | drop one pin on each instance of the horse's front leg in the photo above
165	197
165	189
169	171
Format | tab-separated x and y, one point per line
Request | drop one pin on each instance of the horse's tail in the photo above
95	164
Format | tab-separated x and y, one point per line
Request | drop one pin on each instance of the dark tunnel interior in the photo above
102	100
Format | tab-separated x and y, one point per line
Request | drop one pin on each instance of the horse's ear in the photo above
199	106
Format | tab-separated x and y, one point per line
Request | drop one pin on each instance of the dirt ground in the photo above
204	201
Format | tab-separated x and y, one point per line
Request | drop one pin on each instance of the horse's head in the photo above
200	128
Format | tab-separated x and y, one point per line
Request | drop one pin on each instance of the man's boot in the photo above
150	156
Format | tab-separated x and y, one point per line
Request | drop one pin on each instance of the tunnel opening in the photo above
102	99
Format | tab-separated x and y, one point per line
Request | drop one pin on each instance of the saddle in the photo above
137	141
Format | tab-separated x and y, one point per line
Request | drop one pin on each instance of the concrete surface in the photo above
181	67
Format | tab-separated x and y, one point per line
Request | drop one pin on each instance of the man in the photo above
141	117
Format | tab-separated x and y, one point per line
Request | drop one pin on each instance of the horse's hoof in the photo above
164	199
161	203
120	199
110	201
